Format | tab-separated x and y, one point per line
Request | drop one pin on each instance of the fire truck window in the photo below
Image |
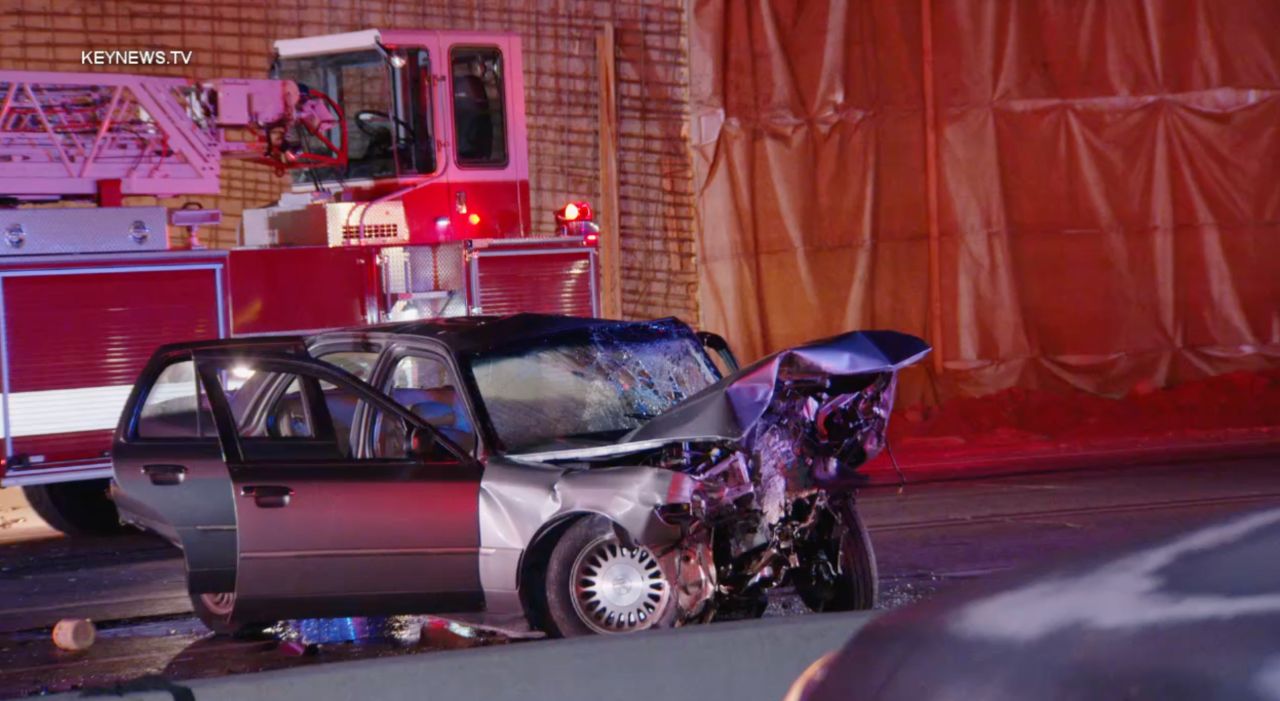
425	386
362	83
176	406
420	98
479	111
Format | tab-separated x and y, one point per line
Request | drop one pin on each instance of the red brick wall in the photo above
233	38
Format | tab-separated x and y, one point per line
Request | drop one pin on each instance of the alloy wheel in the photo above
618	589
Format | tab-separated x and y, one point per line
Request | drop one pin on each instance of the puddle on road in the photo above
398	630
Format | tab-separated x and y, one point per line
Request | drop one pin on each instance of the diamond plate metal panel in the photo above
82	230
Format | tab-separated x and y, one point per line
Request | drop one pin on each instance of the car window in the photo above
266	404
479	113
275	421
390	436
176	406
288	417
358	363
425	385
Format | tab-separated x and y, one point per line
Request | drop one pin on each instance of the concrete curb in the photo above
743	661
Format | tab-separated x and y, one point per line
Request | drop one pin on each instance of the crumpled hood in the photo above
730	407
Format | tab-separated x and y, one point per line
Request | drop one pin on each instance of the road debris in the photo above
440	634
74	634
294	648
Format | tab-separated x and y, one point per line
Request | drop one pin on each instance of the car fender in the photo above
521	502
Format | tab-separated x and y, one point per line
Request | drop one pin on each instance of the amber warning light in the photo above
574	219
573	212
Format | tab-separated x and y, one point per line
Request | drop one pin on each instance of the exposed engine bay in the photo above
770	509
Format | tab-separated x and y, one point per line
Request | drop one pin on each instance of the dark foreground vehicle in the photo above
1196	616
579	475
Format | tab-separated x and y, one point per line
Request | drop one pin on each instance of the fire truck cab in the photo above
435	116
411	201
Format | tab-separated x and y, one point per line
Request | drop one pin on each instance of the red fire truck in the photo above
407	155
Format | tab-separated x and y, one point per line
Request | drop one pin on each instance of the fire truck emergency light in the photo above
573	212
574	219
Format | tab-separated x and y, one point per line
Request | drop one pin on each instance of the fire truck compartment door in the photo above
548	280
75	339
170	473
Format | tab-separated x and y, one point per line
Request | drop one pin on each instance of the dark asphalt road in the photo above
928	537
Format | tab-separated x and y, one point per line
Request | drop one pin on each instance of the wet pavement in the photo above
933	536
928	538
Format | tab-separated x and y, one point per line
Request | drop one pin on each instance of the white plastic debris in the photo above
74	634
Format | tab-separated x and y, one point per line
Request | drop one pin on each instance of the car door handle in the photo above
268	496
165	475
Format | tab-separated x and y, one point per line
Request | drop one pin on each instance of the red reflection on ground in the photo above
1018	429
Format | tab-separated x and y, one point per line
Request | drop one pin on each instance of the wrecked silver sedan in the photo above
564	475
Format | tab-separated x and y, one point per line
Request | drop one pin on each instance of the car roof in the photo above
476	333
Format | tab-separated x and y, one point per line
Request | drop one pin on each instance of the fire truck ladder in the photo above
63	133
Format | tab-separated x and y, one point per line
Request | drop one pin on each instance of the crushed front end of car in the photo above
765	465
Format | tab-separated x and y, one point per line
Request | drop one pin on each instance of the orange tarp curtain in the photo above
1107	183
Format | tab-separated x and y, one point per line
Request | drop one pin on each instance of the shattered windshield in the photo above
589	386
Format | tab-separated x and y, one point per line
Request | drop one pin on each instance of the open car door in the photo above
168	465
345	503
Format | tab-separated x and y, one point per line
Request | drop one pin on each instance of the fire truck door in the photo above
170	474
488	180
420	98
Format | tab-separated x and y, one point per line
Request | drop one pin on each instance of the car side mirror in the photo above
423	444
716	343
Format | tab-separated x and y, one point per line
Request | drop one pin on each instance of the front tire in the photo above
597	585
75	508
855	584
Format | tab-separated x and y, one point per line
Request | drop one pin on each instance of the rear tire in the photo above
75	508
214	611
596	585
